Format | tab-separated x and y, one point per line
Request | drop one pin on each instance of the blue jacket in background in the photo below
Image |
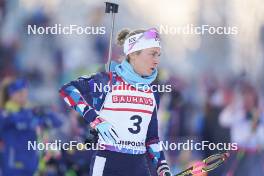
16	130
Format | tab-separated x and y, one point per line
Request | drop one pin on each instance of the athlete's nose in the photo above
156	61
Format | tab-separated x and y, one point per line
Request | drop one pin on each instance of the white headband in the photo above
139	42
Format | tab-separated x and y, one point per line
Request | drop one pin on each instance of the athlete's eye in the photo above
155	55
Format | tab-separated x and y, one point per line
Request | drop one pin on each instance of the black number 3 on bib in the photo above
136	125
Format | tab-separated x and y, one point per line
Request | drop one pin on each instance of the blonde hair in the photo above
4	97
126	33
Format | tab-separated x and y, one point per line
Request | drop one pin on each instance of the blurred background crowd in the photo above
217	80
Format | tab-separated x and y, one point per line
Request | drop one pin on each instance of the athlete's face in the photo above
20	97
146	61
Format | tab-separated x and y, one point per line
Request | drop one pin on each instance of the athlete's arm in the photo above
86	95
154	149
81	95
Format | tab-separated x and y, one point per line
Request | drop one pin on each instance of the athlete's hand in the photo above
165	173
105	130
164	170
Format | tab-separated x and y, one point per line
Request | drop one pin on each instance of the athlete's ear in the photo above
128	59
131	56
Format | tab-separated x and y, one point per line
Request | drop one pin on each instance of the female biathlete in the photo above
125	113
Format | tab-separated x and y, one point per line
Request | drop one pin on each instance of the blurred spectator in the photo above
244	116
19	125
217	97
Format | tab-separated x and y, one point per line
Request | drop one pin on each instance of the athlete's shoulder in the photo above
98	77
